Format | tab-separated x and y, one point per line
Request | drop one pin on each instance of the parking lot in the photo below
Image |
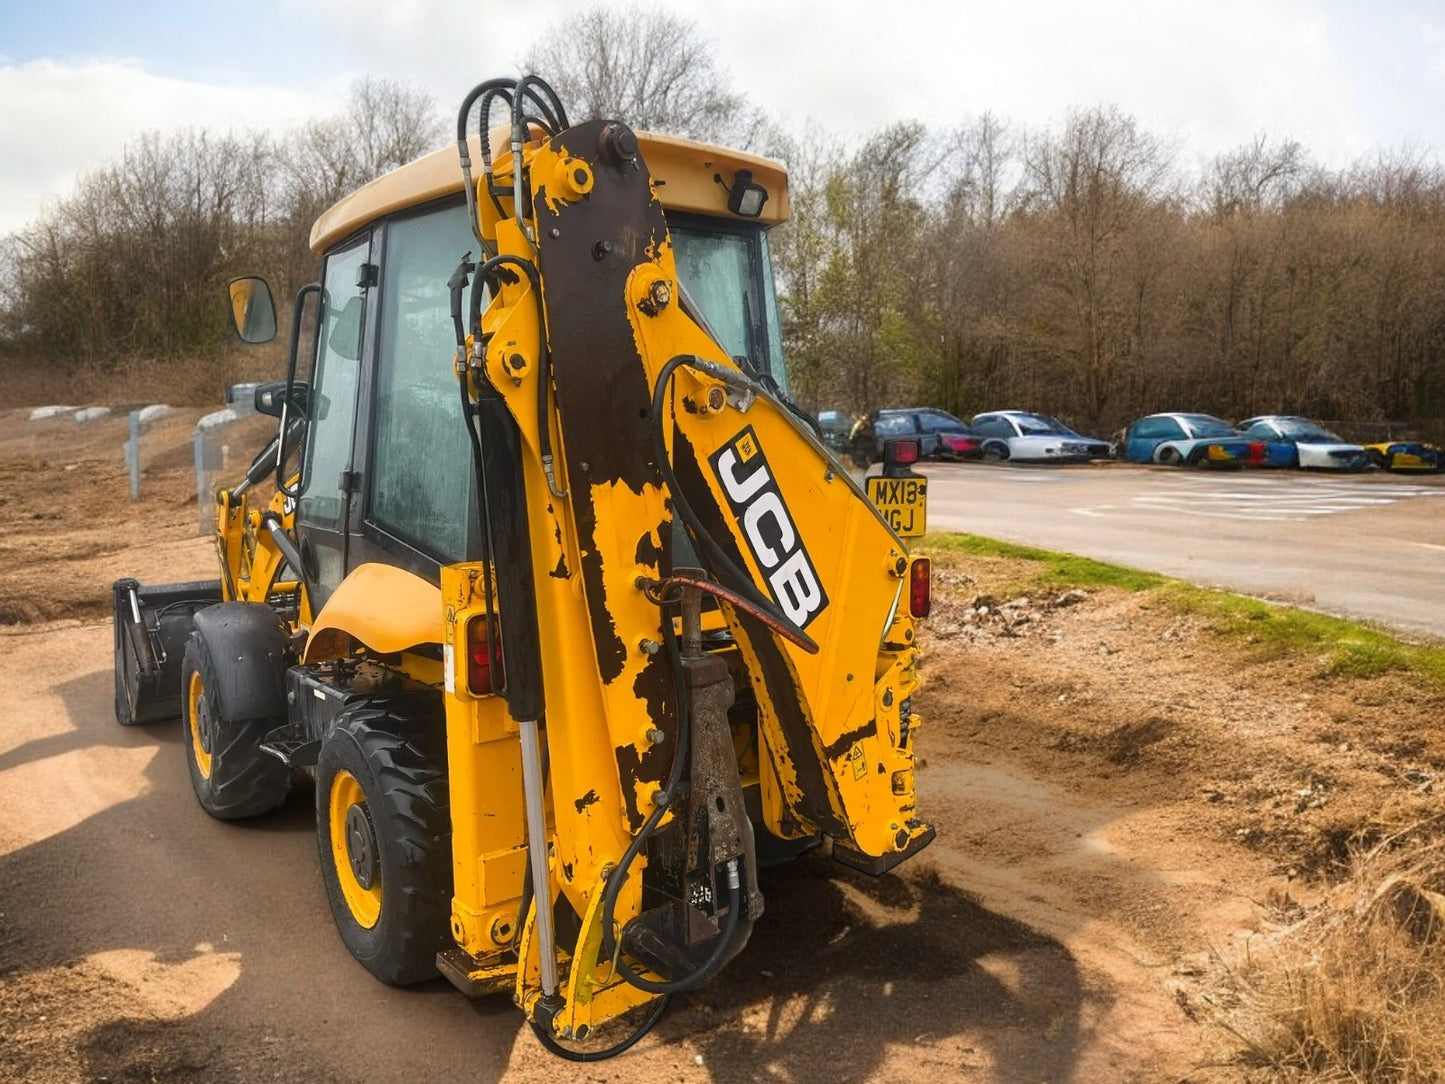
1369	546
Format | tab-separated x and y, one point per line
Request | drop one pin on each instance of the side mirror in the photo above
252	309
271	397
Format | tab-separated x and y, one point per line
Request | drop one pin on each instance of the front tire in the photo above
384	830
232	778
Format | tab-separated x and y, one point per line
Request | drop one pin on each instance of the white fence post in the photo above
132	455
203	494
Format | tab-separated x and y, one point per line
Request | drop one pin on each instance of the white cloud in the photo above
1208	76
61	119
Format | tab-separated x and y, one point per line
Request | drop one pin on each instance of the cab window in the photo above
421	485
729	275
993	427
338	362
893	425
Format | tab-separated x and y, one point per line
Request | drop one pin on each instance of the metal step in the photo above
293	754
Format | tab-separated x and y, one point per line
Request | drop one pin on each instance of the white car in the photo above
1018	434
1298	442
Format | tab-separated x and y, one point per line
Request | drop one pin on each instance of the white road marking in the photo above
1267	499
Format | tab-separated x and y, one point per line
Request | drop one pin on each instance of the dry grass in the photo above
1355	990
194	381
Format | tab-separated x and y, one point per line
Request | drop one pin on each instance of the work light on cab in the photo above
746	199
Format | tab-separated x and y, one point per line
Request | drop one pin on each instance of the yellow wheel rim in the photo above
353	849
195	705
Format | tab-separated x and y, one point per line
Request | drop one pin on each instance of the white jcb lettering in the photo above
741	491
796	588
769	504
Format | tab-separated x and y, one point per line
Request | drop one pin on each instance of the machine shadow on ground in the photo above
853	972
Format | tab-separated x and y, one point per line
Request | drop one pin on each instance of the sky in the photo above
80	78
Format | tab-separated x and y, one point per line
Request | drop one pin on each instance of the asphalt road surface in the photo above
1369	546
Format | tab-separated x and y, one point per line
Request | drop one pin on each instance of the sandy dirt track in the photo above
1119	797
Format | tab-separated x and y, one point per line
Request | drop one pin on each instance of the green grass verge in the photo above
1269	630
1057	570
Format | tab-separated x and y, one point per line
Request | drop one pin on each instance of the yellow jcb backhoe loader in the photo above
566	608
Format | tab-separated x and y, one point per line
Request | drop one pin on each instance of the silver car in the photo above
1020	435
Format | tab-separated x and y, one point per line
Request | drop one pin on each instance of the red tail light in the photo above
920	586
900	452
484	656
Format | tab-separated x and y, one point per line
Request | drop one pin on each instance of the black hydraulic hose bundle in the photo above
516	93
544	353
490	88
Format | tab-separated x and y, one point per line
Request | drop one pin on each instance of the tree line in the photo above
1081	273
133	263
1078	271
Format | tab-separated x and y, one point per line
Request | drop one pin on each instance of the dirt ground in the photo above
1126	805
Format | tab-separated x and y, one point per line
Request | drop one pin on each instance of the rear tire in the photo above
383	823
232	778
995	452
1170	457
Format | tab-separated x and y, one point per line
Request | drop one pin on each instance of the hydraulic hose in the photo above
679	757
489	88
740	581
544	355
704	970
618	876
548	1042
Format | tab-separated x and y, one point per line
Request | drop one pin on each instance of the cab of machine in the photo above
386	475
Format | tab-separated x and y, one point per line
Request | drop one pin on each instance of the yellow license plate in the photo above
903	502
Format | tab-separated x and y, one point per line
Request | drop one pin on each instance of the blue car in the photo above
1188	440
1290	441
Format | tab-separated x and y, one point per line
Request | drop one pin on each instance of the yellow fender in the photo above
387	609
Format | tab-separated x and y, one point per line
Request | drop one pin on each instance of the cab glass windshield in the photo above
728	274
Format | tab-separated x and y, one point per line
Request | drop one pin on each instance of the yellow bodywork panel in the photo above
684	170
385	608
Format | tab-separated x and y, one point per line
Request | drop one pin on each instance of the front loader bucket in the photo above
152	625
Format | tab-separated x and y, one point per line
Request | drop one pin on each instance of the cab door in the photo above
329	481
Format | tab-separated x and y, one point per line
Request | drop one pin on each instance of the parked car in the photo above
940	435
835	427
1188	440
1291	441
1018	434
1406	455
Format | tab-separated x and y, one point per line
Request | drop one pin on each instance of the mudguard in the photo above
252	650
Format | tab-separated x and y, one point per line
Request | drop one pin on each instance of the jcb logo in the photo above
742	469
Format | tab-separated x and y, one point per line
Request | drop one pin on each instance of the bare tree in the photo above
1256	176
646	67
385	124
1097	180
